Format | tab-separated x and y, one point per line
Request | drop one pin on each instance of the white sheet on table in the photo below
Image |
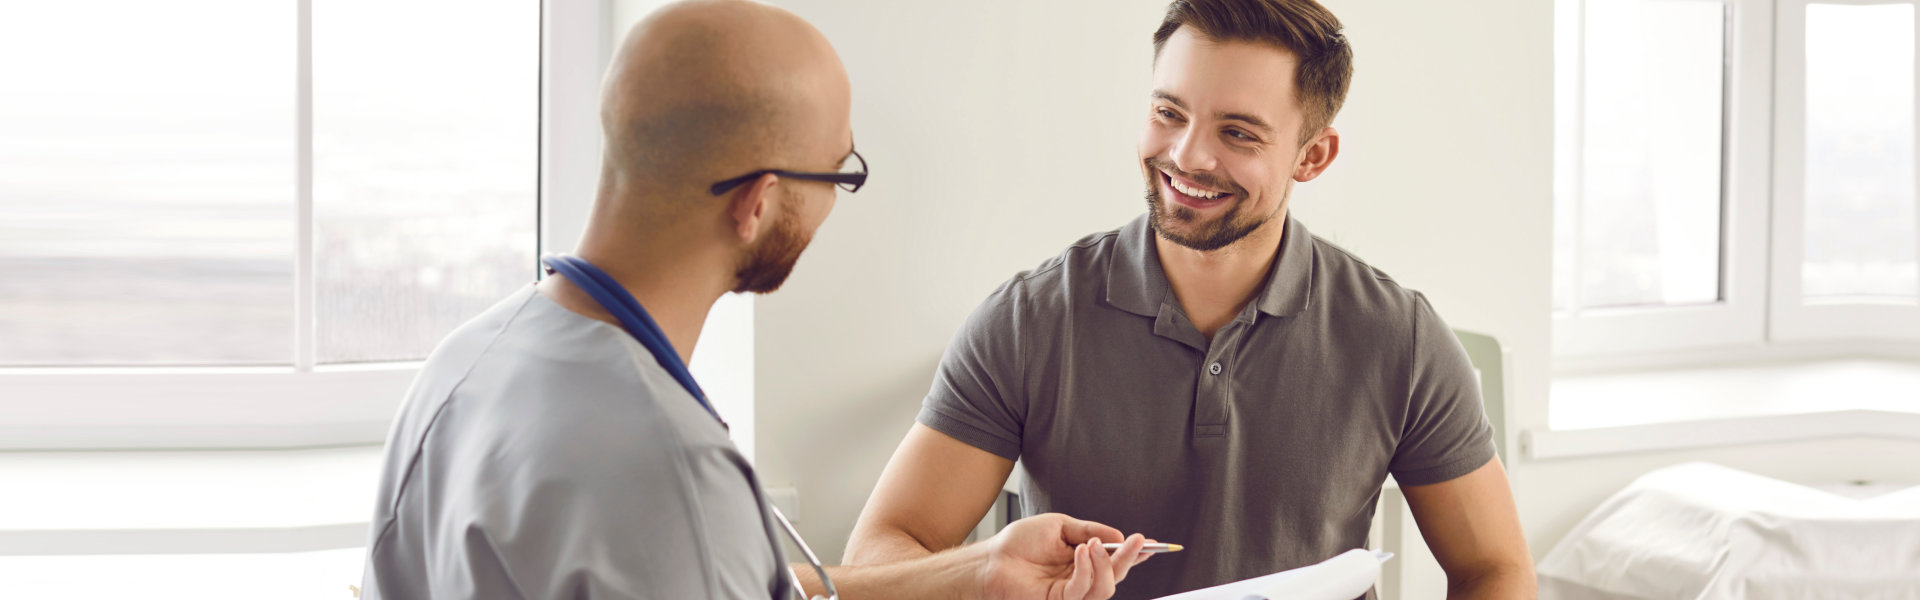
1342	577
1703	531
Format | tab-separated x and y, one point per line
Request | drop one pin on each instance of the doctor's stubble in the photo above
769	262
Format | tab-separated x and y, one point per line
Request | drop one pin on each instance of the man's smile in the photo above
1191	194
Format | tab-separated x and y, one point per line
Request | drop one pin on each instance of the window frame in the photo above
1739	318
312	404
1791	319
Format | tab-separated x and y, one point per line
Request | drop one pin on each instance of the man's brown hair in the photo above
1302	27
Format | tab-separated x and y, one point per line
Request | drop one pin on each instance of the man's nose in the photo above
1193	152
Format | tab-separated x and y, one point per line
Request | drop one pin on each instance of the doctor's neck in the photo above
676	278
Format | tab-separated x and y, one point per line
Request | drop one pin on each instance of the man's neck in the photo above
1214	286
677	291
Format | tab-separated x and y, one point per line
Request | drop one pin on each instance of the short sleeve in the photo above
1446	433
578	504
585	527
976	396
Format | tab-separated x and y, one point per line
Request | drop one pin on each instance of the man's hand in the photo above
1057	557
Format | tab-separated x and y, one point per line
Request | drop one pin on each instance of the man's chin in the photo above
1180	222
1183	238
1204	236
764	280
772	261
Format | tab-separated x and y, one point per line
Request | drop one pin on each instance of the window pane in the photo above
1859	165
425	165
1650	208
146	182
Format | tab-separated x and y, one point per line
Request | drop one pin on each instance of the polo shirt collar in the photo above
1136	283
1290	284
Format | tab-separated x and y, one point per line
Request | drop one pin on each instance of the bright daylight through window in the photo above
1860	220
146	198
1735	173
149	199
1648	191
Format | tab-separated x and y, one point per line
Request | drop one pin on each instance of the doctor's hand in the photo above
1057	557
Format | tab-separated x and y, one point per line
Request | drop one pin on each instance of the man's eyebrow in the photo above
1256	122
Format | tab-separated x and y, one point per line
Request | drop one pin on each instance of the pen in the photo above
1149	548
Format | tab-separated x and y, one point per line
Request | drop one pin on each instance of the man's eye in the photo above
1239	135
1167	114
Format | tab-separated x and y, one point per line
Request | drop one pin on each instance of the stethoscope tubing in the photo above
812	560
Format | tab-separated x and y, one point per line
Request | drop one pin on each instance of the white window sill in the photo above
206	407
1704	407
186	502
323	575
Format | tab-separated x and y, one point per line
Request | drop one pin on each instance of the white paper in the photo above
1342	577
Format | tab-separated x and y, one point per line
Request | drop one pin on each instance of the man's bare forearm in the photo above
1504	583
880	546
952	574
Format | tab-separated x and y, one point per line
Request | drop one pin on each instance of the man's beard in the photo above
1213	235
769	262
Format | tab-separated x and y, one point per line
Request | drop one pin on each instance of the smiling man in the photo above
1211	373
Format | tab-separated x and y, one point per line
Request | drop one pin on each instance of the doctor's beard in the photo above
769	262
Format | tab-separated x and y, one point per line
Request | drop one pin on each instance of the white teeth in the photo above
1192	192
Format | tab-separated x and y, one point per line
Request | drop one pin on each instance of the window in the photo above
243	222
1735	174
425	162
1651	155
1845	230
1859	159
155	187
1661	177
147	185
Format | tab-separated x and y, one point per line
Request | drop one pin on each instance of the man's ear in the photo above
1318	155
748	205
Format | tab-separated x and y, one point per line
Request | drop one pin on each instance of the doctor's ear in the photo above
1317	155
747	206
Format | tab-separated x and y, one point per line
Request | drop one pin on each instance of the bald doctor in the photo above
556	447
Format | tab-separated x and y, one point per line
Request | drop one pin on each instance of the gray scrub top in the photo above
1262	449
542	454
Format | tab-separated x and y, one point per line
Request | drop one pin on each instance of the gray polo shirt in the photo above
544	455
1260	451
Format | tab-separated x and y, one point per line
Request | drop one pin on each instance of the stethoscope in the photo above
635	320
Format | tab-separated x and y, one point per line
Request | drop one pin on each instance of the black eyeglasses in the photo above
847	181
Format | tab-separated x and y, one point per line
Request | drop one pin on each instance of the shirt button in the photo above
1214	368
